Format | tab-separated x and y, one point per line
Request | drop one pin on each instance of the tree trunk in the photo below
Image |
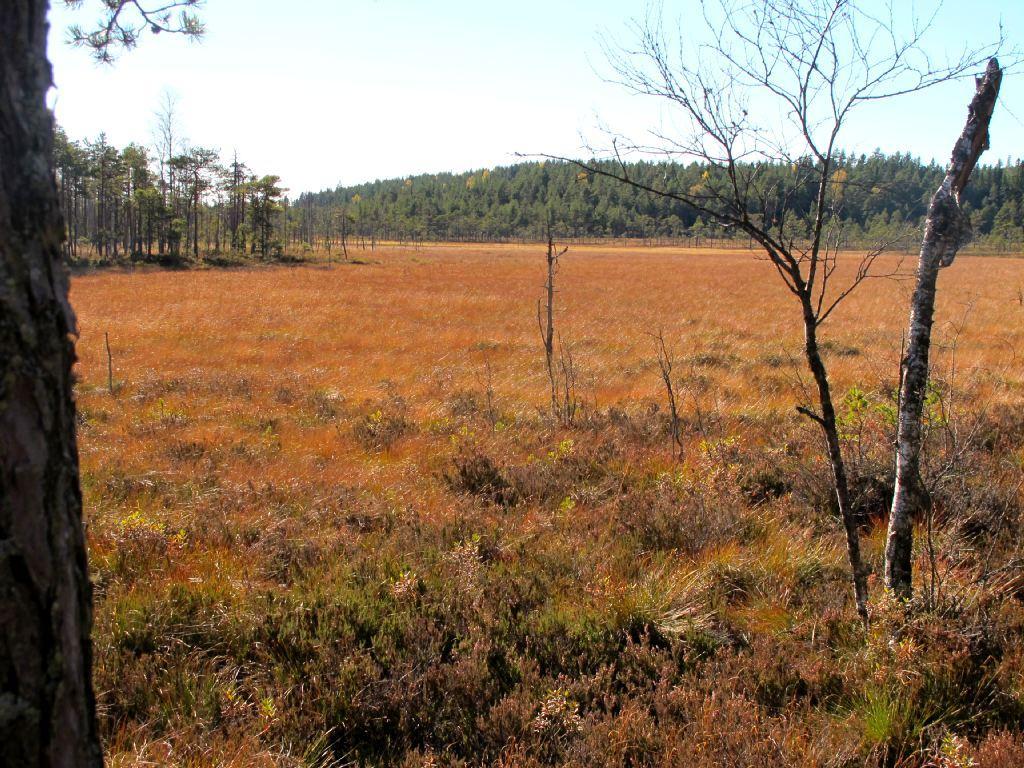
47	709
946	230
548	327
841	485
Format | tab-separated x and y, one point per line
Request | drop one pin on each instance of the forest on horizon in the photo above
177	203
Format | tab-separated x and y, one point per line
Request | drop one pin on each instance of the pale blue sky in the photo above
329	91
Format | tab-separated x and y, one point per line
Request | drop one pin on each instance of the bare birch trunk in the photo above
947	229
548	330
546	322
47	709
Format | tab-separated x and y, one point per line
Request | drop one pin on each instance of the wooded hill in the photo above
880	197
139	204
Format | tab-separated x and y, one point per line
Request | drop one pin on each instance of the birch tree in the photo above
947	229
773	83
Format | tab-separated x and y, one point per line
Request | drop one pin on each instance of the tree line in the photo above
169	204
165	204
880	198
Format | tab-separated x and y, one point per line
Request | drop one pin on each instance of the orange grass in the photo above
237	390
424	323
426	319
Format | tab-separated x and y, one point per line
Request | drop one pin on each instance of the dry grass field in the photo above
331	522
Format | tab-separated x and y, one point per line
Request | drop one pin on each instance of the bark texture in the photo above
47	709
947	229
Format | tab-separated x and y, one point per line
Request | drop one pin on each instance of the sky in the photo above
329	92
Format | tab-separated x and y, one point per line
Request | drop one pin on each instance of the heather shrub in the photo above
382	426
